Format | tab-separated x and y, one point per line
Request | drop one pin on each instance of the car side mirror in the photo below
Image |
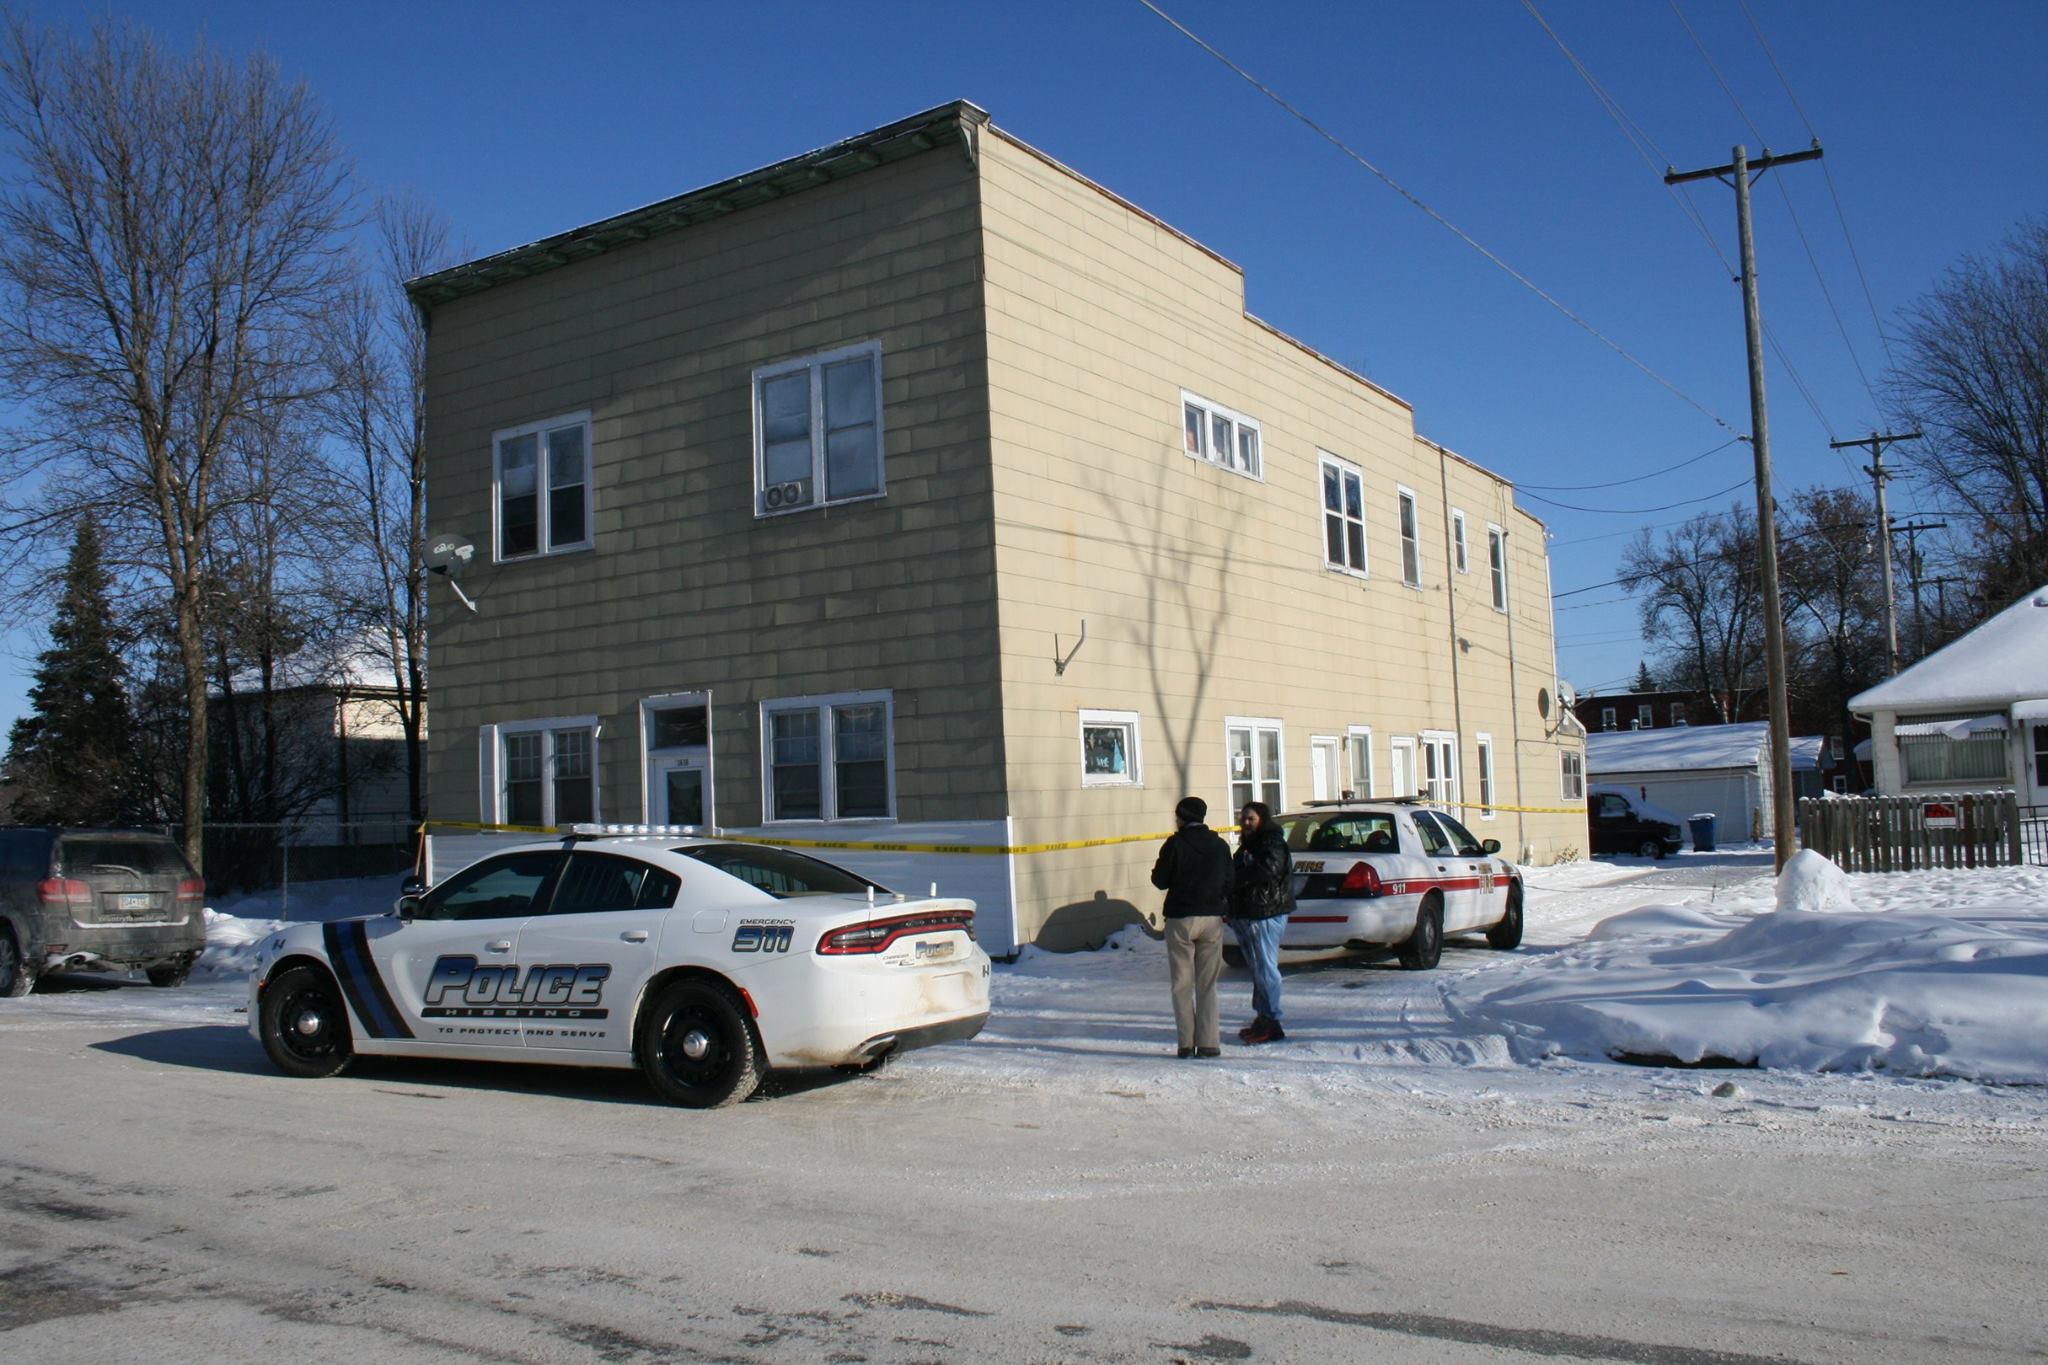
1490	846
408	908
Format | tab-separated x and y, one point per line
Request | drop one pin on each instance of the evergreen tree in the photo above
67	758
1644	682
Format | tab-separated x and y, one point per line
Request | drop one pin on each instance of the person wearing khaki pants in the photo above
1193	869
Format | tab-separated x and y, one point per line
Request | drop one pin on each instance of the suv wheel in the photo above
17	978
170	974
1650	848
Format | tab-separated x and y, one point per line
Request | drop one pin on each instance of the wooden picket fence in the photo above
1908	833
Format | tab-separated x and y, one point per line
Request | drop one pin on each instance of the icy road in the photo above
1404	1182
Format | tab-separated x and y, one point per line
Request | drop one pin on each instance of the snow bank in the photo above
1812	981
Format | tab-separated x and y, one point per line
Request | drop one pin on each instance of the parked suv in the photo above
98	900
1621	821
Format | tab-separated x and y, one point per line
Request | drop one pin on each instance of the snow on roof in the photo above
2002	661
357	662
1746	744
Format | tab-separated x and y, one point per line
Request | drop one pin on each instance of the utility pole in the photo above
1912	530
1737	173
1880	475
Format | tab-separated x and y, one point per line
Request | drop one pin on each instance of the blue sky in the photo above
520	120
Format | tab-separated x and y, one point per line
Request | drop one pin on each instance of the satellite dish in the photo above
1567	695
448	556
1543	702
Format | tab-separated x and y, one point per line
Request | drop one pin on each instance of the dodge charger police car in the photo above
704	963
1376	875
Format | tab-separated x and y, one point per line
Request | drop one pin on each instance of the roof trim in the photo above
957	122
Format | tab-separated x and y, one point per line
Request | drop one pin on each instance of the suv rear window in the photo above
84	857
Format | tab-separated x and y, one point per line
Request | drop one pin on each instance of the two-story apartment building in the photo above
919	492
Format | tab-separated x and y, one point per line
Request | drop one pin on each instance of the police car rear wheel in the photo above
1508	933
698	1047
305	1028
1425	947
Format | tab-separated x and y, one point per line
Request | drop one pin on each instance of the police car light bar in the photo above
593	831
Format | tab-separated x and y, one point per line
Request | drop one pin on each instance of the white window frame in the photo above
1353	734
828	786
815	365
543	484
1458	540
1332	749
1407	515
1483	750
1443	748
495	799
1608	719
1350	473
1646	716
1497	565
1572	774
649	755
1200	447
1256	726
1133	747
1395	747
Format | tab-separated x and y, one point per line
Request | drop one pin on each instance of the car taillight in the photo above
876	935
1361	880
191	889
64	891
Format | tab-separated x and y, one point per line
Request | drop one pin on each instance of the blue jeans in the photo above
1260	939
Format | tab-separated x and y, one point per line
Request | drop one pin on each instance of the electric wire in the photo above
1641	511
1855	257
1442	221
1617	483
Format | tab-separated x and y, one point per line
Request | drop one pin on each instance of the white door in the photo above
682	792
1402	766
1440	769
1325	758
2038	770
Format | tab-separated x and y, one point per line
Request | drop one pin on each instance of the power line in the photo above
1442	221
1617	483
1643	511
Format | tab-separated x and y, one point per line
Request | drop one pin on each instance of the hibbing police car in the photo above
1373	875
704	963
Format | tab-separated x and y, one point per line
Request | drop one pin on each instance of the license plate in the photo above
933	952
133	900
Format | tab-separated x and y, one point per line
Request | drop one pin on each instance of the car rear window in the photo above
138	857
1351	832
778	871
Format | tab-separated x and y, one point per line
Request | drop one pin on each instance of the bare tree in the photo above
376	411
1974	378
169	240
1701	607
1833	596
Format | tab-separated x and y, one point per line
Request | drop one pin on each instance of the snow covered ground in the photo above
1923	990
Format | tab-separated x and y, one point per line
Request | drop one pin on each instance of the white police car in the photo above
1373	875
705	963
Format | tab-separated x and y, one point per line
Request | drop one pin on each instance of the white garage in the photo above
1690	770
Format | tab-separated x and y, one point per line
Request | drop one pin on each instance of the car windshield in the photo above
1341	832
778	871
120	857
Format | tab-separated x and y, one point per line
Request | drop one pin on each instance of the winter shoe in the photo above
1184	1052
1264	1031
1208	1052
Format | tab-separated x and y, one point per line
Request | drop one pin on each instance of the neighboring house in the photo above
920	492
1972	716
1643	711
1725	769
325	754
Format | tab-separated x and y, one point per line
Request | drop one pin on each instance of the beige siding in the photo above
685	589
1204	592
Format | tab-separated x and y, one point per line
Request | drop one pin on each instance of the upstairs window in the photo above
1497	562
1215	433
1343	516
1458	540
541	476
1411	541
818	430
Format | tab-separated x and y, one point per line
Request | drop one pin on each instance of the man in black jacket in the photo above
1193	869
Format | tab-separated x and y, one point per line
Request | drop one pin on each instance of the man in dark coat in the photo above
1193	869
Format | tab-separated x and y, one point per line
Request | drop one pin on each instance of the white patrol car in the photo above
705	963
1372	875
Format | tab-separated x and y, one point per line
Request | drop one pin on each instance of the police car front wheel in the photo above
698	1048
305	1028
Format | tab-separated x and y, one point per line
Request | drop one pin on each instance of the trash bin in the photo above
1702	827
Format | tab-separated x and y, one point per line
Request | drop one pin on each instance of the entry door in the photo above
1325	756
2040	796
1402	755
682	791
1440	770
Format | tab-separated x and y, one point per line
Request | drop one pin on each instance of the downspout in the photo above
1443	473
